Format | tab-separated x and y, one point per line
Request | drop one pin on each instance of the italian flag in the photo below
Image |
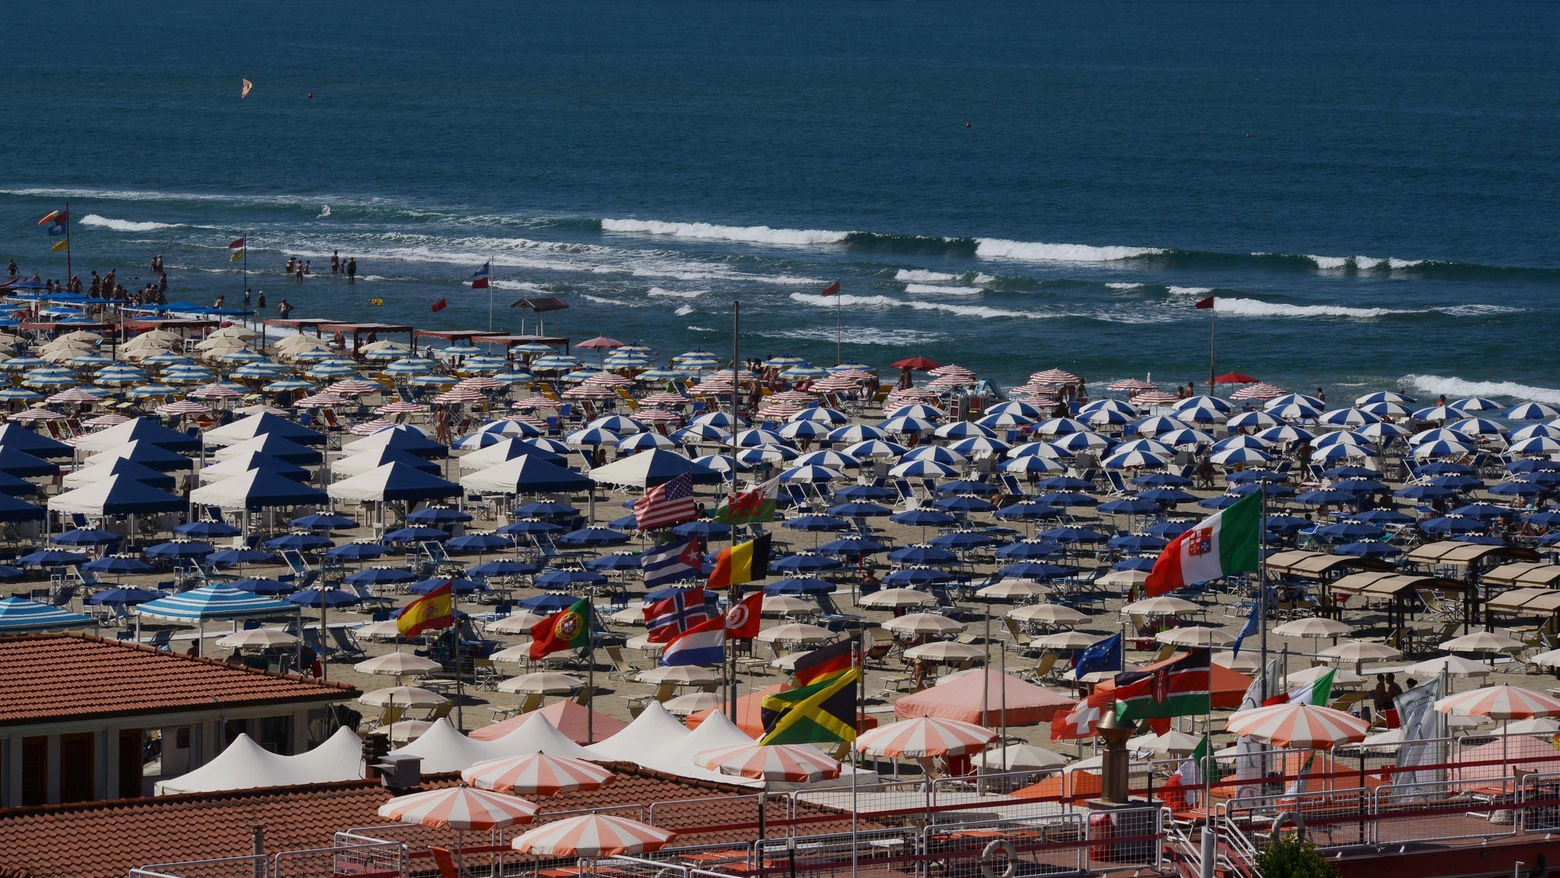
1224	543
1317	692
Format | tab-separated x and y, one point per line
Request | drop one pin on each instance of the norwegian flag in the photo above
666	620
666	504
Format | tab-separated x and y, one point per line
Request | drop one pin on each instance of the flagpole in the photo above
1212	346
490	293
855	724
67	243
1262	584
839	308
590	662
733	592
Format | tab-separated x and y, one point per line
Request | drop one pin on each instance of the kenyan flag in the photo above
1176	688
1224	543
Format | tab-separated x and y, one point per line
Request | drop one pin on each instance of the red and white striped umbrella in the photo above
537	774
215	391
460	395
1259	390
1055	377
355	386
459	808
369	427
925	736
1299	725
1503	702
589	391
788	762
182	407
665	398
480	382
321	401
592	835
1132	385
1155	397
76	394
400	407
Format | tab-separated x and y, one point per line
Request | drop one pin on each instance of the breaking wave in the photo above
120	225
1455	387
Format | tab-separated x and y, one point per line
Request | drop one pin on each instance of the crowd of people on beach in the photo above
299	268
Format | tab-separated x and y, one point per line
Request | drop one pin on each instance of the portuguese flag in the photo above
1224	543
1176	688
568	629
744	562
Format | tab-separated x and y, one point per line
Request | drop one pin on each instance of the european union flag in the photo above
1252	626
1102	656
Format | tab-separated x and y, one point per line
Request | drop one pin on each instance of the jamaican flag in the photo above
822	711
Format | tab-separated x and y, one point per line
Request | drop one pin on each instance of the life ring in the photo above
1008	851
1287	817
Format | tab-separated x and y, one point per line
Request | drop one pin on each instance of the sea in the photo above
1369	190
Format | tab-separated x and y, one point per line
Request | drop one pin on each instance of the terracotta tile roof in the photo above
70	676
110	838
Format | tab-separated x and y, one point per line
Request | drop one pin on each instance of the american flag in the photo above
666	504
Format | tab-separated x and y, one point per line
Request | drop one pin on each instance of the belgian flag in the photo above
744	562
821	712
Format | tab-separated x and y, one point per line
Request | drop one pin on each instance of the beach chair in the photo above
345	642
798	495
1043	668
1165	652
585	696
1014	487
1118	485
387	717
162	639
621	669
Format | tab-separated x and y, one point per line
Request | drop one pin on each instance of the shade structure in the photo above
409	440
459	808
393	481
1298	725
650	468
1503	702
117	495
504	450
12	509
214	602
1483	641
262	424
1360	651
898	597
145	453
1164	605
1048	614
146	430
537	774
925	737
362	462
19	615
257	489
526	474
405	696
89	475
559	729
945	651
1020	757
959	697
796	763
271	445
540	682
592	836
19	463
19	437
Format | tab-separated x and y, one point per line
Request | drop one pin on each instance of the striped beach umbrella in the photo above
459	808
537	774
1298	725
591	836
1503	702
925	737
796	763
214	602
19	615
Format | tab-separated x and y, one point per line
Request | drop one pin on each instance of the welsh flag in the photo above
746	507
1224	543
1317	692
1182	687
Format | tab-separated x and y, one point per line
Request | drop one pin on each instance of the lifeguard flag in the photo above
831	290
819	713
569	629
436	609
236	244
741	563
237	255
439	306
1205	304
1223	543
1179	688
63	244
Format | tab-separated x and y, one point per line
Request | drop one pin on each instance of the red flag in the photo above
833	289
1205	304
742	620
234	245
440	305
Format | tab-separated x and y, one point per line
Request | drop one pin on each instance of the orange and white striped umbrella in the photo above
788	762
459	808
1299	725
537	774
1500	702
592	835
925	736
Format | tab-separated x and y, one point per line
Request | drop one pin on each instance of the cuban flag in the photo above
479	280
664	620
703	644
671	563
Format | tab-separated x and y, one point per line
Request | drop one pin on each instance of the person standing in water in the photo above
351	270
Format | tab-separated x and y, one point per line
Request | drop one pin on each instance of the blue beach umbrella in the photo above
379	576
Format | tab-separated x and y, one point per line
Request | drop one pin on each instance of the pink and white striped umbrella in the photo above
1132	385
401	407
592	835
182	407
925	736
76	394
1055	377
788	762
459	808
38	415
321	401
537	774
215	391
1299	725
480	382
1155	397
460	395
665	398
369	427
354	387
1503	702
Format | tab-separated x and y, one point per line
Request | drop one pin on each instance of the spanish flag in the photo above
744	562
436	609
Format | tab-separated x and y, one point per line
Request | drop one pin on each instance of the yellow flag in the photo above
237	255
64	242
245	93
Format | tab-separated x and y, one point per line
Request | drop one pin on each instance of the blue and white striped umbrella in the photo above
1240	455
1158	424
767	453
554	363
1106	418
918	410
592	436
718	419
1006	420
643	442
484	364
243	355
1345	418
19	615
1475	404
1240	442
1022	409
260	370
1186	437
1201	402
168	359
936	453
616	424
1535	445
1380	433
829	458
856	433
1061	427
922	469
811	473
431	381
287	384
1033	463
1147	446
963	430
755	437
1380	396
802	373
1294	411
326	371
819	414
1548	431
1387	409
1077	442
89	361
1294	399
794	430
1477	427
1440	434
979	446
514	377
1109	405
1048	450
1133	460
1341	437
19	394
214	602
409	366
697	433
904	424
153	391
314	355
16	364
874	448
1252	421
1531	411
662	375
1286	435
1441	448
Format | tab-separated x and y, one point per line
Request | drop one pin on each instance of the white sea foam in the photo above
685	310
1456	388
616	303
981	278
120	225
1393	262
1258	308
1363	263
858	335
1368	263
916	275
1330	263
701	329
711	232
932	289
914	305
676	294
1189	291
1030	251
1125	286
1478	310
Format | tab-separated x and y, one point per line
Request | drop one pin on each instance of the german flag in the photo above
822	712
744	562
823	662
